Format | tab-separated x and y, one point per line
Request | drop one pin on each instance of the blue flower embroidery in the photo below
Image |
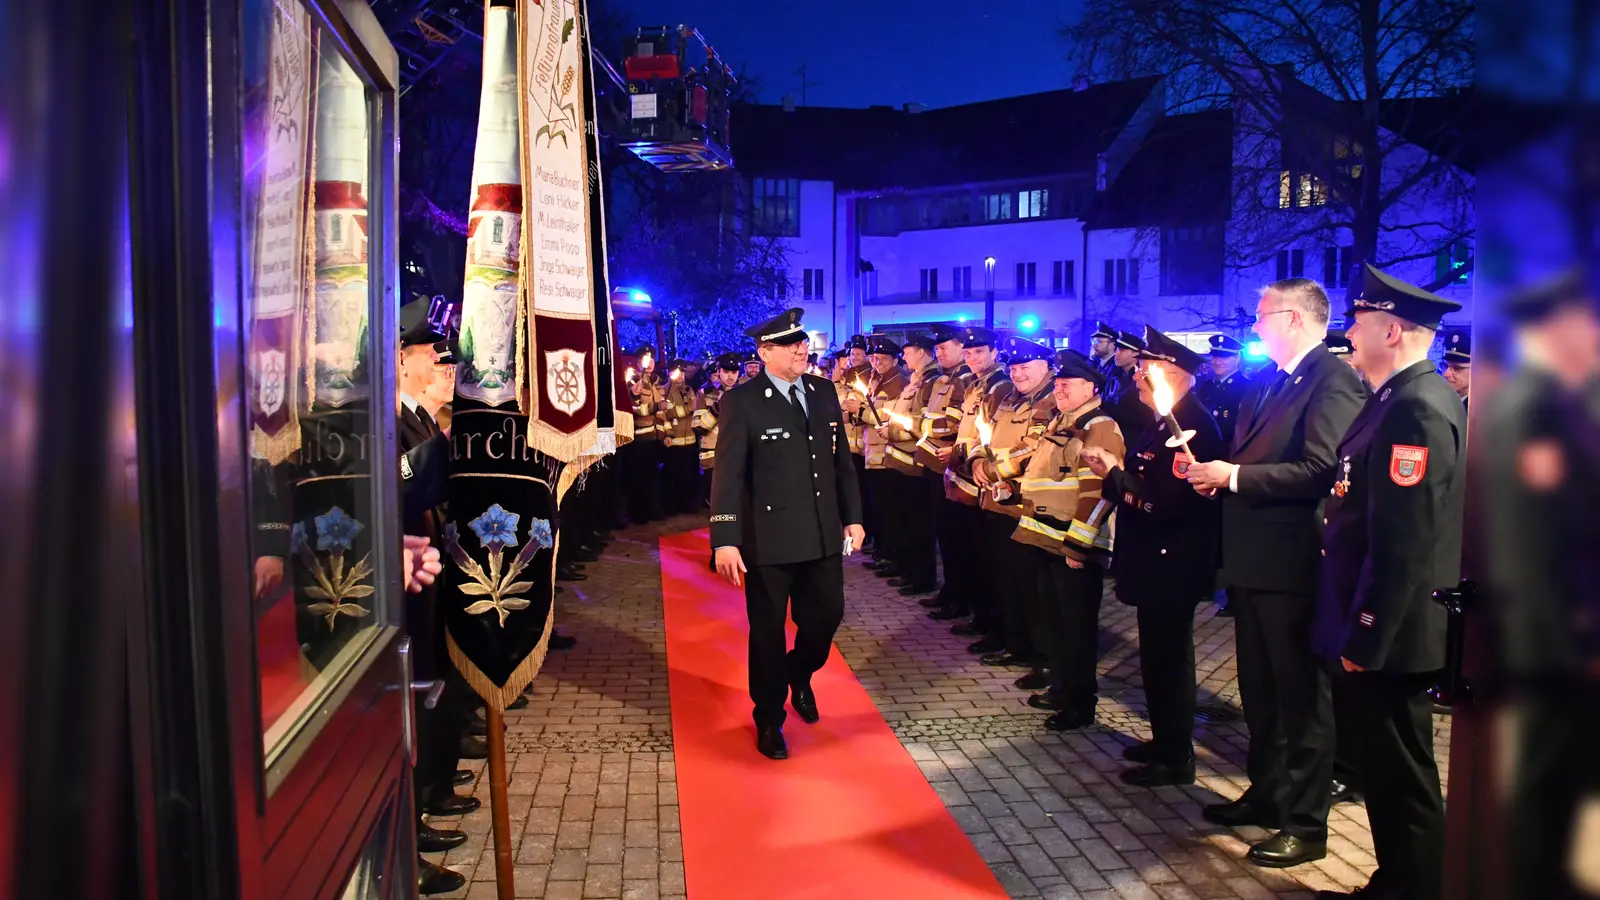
452	535
496	528
539	533
297	538
336	531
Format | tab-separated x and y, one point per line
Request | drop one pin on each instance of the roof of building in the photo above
884	148
1180	176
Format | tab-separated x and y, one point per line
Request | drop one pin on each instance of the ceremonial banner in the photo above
331	541
280	266
500	543
566	237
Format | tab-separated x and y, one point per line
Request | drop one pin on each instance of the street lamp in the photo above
988	292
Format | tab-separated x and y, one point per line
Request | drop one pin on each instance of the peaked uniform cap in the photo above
783	329
1158	346
1374	290
1223	345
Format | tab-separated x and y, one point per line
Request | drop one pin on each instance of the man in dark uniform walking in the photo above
1166	551
783	499
1392	537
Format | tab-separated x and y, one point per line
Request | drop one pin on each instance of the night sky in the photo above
865	52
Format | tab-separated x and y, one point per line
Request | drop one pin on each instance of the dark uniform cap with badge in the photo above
1223	345
1158	346
730	362
1539	301
978	336
1338	345
1128	341
1103	330
856	342
1073	364
882	346
1374	291
424	333
926	342
942	333
783	329
1021	350
1458	348
645	350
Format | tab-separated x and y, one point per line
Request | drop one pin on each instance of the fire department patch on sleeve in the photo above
1180	465
1366	619
1407	464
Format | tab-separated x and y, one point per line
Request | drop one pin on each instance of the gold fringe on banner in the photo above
499	696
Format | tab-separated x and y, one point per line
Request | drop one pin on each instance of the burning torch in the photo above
861	389
1161	393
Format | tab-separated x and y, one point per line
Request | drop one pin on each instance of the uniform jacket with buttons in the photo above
1019	429
845	387
782	491
648	423
1222	396
883	389
1272	528
982	396
678	430
912	404
1063	510
1166	530
1392	532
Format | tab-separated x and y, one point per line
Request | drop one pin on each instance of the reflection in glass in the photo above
307	147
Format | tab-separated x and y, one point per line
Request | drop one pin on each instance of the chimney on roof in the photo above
1080	83
913	107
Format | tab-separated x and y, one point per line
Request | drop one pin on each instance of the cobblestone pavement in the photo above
594	804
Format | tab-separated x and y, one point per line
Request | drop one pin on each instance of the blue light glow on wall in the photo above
1028	323
1255	350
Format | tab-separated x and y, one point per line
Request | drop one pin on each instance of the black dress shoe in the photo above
451	805
1142	752
1156	774
560	641
1046	701
912	590
873	564
463	776
899	581
934	602
477	727
1005	659
946	613
986	645
966	629
1037	680
1344	793
570	575
474	748
769	740
887	570
804	703
433	878
1070	720
1242	811
584	556
438	840
560	590
1283	851
520	703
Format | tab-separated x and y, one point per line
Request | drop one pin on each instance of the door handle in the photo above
433	688
1453	688
407	714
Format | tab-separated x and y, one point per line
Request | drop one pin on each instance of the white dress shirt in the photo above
1233	474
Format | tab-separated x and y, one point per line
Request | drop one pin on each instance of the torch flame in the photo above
677	374
1160	391
985	433
859	386
646	360
901	419
629	374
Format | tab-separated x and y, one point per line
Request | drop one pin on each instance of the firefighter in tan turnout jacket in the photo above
972	593
724	374
641	463
1019	430
680	471
888	380
914	492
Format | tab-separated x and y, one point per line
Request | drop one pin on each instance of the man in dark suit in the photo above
1393	537
1272	495
783	499
1166	551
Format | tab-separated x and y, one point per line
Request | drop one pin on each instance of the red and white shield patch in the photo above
1407	464
1180	465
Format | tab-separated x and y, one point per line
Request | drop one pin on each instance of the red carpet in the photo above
848	815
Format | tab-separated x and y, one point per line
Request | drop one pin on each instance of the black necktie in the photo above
1272	389
794	397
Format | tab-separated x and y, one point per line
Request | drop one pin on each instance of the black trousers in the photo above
1013	582
680	479
869	512
1166	663
813	594
641	478
1558	741
1394	753
1070	600
1287	696
1345	736
439	732
880	499
956	549
918	556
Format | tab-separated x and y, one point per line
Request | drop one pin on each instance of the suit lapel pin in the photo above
1297	378
769	392
1386	392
